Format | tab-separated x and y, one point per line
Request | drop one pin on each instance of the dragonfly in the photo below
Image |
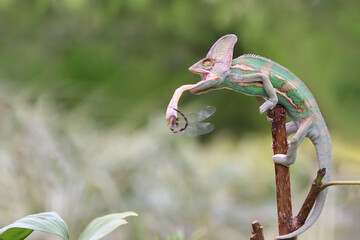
191	124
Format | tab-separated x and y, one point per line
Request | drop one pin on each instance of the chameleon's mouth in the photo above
198	71
206	74
208	79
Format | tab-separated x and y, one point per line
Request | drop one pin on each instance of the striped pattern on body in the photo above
288	86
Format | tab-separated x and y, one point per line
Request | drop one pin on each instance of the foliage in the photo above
100	227
51	222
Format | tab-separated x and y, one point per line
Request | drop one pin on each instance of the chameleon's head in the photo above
217	61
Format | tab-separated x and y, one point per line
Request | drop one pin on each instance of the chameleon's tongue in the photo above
175	99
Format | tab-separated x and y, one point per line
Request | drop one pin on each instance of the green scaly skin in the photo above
260	77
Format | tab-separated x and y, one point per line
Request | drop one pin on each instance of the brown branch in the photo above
282	173
258	233
310	200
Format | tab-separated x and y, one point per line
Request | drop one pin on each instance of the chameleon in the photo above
270	83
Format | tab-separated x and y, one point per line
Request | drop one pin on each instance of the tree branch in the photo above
310	200
282	173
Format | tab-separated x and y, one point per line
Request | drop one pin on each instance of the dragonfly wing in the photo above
198	128
195	127
201	114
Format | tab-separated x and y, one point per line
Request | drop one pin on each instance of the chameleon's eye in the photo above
208	63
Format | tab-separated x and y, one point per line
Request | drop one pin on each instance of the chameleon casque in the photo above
270	83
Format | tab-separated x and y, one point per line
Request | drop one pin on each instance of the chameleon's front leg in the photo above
261	100
299	136
268	87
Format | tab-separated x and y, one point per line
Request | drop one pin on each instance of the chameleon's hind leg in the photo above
268	87
299	136
291	127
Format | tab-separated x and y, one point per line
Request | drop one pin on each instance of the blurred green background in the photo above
84	87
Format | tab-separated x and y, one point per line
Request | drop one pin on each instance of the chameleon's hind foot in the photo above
281	159
267	105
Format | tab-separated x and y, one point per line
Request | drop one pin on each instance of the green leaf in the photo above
49	222
102	226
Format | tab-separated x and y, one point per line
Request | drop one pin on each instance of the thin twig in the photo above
344	183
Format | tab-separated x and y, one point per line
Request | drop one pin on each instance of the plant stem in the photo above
333	183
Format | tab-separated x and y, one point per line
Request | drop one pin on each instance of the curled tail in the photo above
323	152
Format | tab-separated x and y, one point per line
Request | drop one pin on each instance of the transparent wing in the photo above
197	128
201	114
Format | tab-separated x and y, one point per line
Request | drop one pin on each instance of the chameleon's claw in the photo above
269	119
280	159
266	106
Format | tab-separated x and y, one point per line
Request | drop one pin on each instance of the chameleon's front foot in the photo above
267	105
282	159
269	119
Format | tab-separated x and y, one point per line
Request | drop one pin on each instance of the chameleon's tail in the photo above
323	152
